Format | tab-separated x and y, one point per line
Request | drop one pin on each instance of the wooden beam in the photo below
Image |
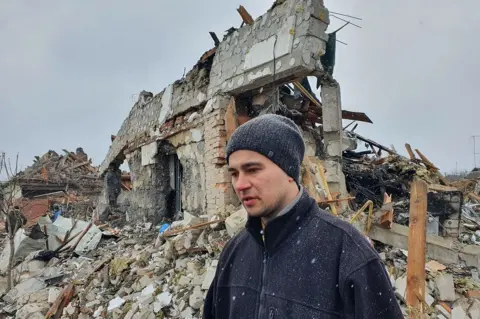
430	166
215	38
321	170
366	140
307	94
441	188
336	200
386	219
417	249
410	152
246	17
197	226
56	310
426	161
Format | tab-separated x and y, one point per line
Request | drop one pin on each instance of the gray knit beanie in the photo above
275	137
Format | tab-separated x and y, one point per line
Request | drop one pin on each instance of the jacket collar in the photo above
281	227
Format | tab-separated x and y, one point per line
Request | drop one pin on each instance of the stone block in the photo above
26	287
236	222
210	274
32	311
474	310
445	286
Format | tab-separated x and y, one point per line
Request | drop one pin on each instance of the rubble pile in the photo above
165	271
451	291
52	172
370	177
135	272
66	183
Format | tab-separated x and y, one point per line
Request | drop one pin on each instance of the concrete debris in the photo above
449	289
236	222
445	286
125	276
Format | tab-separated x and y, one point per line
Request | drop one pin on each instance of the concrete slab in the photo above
438	248
285	43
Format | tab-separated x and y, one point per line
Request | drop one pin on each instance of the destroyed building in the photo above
69	180
174	141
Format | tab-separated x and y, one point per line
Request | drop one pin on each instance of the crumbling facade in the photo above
174	142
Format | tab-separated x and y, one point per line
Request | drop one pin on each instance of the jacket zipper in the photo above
271	315
262	307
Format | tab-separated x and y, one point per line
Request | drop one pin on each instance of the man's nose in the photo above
242	183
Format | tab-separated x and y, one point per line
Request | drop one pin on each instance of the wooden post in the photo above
415	294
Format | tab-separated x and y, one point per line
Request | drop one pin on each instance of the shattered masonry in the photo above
182	130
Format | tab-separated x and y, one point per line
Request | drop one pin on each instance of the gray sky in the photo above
69	70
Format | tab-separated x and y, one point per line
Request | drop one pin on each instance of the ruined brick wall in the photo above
219	189
198	140
282	45
206	185
150	113
190	146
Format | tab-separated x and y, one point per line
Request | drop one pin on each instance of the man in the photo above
292	260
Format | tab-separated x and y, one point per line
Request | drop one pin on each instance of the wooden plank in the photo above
197	226
386	219
307	94
442	188
231	121
62	300
321	170
336	200
356	116
125	186
410	152
417	249
426	161
366	140
69	291
474	196
246	17
432	167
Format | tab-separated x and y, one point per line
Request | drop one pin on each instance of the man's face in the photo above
258	182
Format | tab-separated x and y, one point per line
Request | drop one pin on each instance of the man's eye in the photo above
252	170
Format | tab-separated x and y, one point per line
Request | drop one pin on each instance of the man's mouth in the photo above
249	201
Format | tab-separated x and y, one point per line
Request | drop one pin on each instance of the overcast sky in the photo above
69	70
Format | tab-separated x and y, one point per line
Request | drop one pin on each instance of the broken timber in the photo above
415	294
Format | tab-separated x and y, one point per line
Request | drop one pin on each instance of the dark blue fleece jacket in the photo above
311	265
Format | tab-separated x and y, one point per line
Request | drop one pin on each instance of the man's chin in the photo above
255	212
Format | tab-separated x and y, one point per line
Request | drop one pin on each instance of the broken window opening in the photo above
176	172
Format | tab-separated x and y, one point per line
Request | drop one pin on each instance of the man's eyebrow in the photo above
245	166
250	164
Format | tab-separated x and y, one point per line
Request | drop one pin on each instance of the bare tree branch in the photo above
13	215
